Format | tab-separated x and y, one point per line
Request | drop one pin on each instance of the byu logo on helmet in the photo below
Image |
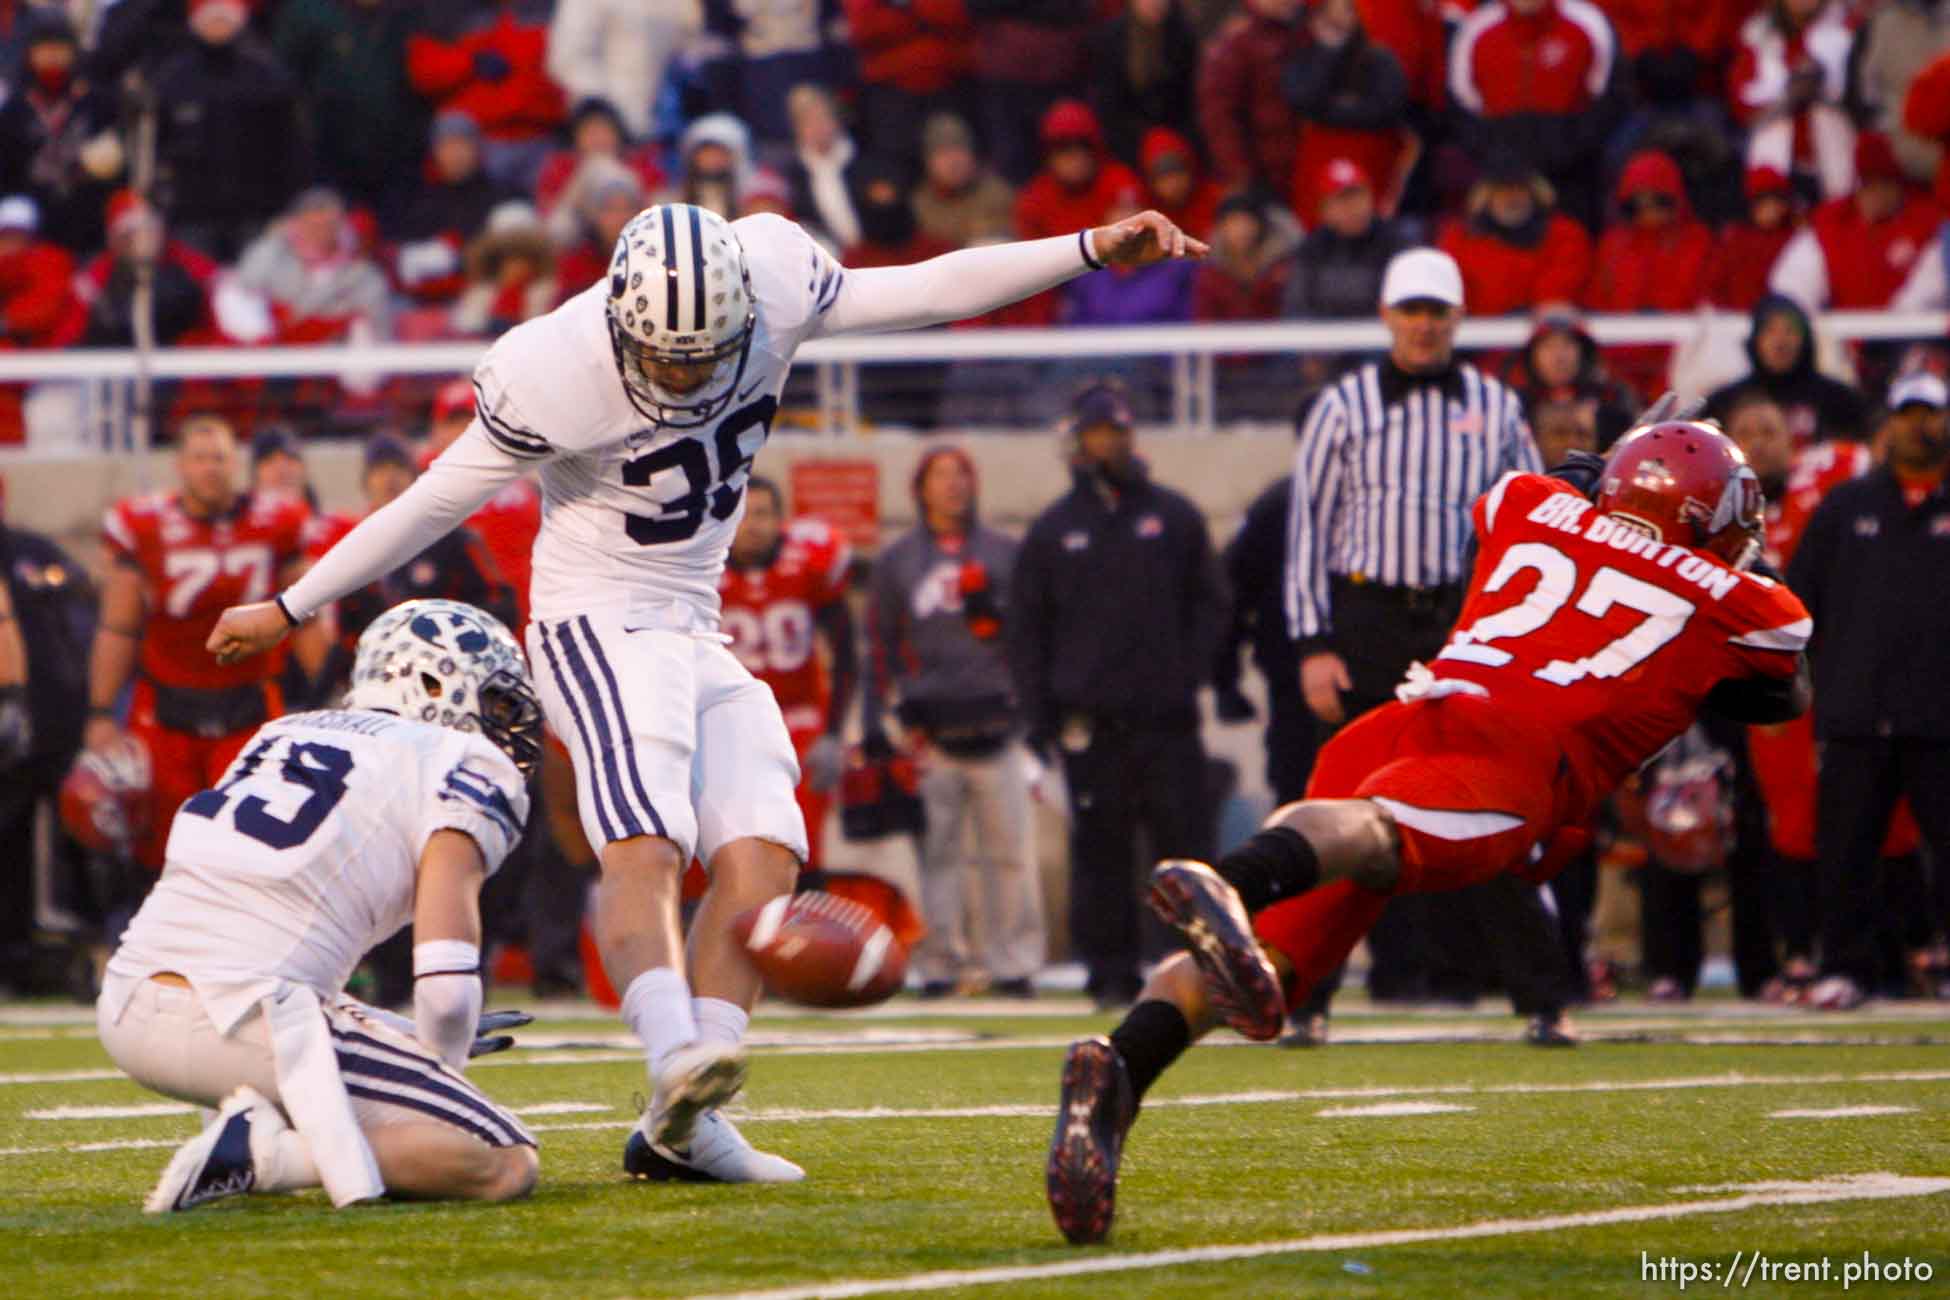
680	313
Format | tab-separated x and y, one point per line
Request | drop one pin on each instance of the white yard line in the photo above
1842	1112
141	1111
1846	1187
1389	1109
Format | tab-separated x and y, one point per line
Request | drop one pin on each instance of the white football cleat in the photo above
694	1079
718	1153
217	1162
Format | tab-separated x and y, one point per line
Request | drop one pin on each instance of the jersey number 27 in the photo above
681	518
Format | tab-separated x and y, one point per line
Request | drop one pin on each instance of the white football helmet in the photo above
680	294
446	662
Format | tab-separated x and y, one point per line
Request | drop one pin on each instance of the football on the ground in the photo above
822	951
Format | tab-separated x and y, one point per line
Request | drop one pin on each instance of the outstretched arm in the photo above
454	486
971	281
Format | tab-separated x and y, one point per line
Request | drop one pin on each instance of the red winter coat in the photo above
37	298
919	46
1218	295
1926	112
1651	270
1741	261
1708	28
1500	277
524	104
1250	131
1045	208
1557	60
1868	263
1412	31
1194	215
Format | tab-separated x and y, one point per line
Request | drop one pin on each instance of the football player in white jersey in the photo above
327	834
643	400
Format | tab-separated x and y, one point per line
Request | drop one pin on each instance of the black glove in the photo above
1582	470
1232	704
875	746
491	65
487	1041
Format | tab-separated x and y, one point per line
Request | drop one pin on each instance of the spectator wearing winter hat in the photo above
596	131
1143	77
231	148
449	209
1538	78
1517	252
510	273
1652	257
1787	88
1926	115
1178	187
959	200
1248	125
349	60
1748	249
1353	99
889	235
1856	251
181	281
1244	277
715	162
1561	364
1337	271
1078	187
1781	348
820	173
487	61
37	301
306	280
607	197
58	143
618	51
915	57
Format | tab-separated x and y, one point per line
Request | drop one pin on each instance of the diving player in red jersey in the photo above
785	582
178	560
1593	632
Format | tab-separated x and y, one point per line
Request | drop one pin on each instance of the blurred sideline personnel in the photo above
334	830
176	560
1593	633
783	591
1119	607
1390	457
1255	568
643	400
940	601
1875	560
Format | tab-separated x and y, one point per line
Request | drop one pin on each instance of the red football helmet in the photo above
1689	814
1689	484
105	797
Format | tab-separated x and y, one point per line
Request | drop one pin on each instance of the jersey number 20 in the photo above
681	518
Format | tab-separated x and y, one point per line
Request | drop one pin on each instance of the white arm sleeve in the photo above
953	286
454	487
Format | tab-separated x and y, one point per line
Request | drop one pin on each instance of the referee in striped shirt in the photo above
1390	459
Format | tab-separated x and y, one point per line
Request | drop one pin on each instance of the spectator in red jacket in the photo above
1177	186
1250	130
1926	112
1143	75
1677	50
1353	99
486	58
1653	257
1537	77
596	130
1244	278
1079	186
604	205
180	282
1516	251
37	302
915	58
1855	252
1028	55
450	208
1748	249
1787	87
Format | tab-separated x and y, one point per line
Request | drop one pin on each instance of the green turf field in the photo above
1480	1167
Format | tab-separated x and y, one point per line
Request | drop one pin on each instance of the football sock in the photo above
1273	865
1152	1036
281	1158
657	1006
719	1021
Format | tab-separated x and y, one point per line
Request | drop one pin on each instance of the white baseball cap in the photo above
1422	273
1919	386
18	212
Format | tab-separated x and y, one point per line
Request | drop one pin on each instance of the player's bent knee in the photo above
1355	839
754	870
517	1170
1381	855
642	856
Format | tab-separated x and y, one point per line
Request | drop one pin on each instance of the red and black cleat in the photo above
1092	1118
1192	899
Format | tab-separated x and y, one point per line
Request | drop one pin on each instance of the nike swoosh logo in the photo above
753	389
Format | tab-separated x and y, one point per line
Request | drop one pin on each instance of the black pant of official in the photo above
1861	780
1127	777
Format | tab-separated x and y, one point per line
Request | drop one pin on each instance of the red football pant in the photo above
813	804
181	765
1470	801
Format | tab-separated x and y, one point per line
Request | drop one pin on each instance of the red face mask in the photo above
54	81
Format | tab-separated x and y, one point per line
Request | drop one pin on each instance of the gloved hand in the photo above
1582	470
487	1040
825	762
492	65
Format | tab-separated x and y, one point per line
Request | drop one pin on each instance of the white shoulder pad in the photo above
550	384
476	789
794	280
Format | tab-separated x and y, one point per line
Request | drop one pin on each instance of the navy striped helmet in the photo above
680	313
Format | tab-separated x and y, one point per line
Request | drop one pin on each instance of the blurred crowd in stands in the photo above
295	171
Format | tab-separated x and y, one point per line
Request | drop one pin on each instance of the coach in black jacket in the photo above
1119	604
1873	569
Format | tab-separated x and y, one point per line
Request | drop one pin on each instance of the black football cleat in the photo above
1192	899
1092	1117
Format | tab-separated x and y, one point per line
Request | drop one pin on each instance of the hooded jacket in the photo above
1651	270
1546	260
1193	216
1046	207
1818	408
1615	404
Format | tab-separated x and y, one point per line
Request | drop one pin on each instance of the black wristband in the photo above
284	609
97	711
1083	246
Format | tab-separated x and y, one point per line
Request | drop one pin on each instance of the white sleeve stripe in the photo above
514	441
1597	29
1791	638
1462	54
117	530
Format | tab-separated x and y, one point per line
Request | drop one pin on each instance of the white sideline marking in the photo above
63	1076
562	1108
1842	1112
113	1112
1844	1187
1388	1108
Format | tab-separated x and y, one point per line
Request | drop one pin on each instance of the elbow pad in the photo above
447	997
